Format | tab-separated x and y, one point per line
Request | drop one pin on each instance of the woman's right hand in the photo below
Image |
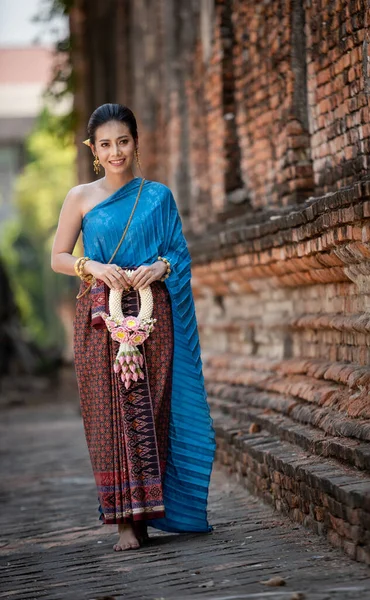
113	275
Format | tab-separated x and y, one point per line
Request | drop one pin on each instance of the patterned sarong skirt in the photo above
126	430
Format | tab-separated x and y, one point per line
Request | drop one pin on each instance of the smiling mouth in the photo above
117	163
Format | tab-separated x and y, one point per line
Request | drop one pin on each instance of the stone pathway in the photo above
52	545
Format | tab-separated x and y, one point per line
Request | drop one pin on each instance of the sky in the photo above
17	28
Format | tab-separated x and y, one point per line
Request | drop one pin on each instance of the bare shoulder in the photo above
79	196
74	196
79	192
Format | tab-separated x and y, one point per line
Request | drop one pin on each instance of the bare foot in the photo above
141	531
127	538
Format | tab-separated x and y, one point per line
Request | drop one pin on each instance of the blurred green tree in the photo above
26	241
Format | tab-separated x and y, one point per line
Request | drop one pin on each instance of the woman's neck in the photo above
114	182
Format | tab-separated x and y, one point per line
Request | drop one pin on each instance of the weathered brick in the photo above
327	499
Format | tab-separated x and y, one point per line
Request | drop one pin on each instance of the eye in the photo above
124	141
104	144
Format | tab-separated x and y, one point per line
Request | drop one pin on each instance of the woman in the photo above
150	438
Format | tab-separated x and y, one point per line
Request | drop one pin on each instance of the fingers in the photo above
144	282
112	282
123	277
106	281
117	277
136	275
142	277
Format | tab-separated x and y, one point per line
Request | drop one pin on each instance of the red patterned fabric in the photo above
99	303
126	430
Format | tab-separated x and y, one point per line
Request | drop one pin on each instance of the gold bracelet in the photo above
77	266
85	277
79	269
168	267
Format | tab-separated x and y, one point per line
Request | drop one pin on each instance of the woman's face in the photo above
115	147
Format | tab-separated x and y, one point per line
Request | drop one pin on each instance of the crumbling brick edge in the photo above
308	498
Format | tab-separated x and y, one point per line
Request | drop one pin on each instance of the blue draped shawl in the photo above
156	231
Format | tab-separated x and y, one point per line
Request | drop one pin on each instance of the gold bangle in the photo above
168	267
79	269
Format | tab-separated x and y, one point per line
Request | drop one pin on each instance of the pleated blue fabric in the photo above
156	230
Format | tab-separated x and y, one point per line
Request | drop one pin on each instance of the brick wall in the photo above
257	104
338	90
283	309
257	116
242	105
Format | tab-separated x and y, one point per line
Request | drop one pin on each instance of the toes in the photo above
128	546
134	545
119	547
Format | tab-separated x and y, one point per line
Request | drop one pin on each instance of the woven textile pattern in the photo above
126	430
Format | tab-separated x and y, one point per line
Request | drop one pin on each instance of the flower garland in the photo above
131	332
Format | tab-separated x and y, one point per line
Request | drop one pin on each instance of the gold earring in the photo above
137	155
96	164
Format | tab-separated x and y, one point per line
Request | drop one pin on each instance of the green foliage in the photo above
51	8
26	241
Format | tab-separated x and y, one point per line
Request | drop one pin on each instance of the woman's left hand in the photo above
145	275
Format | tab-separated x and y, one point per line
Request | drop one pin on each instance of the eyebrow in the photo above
119	138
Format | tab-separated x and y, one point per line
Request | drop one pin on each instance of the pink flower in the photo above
116	367
131	323
137	338
119	334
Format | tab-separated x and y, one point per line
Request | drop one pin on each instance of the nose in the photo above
117	150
